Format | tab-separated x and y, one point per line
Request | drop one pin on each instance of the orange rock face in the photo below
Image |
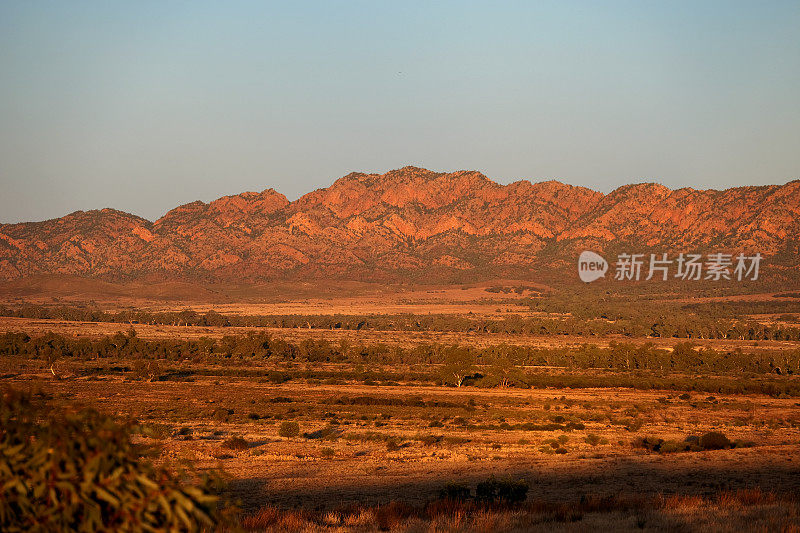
409	222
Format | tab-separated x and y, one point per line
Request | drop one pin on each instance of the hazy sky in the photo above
143	106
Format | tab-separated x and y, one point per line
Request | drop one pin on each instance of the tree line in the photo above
455	363
637	323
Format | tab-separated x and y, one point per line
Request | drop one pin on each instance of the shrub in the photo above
506	491
649	443
592	439
455	491
236	443
710	441
184	433
431	440
289	429
327	433
672	446
635	424
146	369
222	414
714	441
327	453
79	470
278	377
553	443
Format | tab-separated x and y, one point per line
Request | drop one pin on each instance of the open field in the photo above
445	434
275	298
369	445
383	432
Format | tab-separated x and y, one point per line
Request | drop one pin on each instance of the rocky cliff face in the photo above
407	222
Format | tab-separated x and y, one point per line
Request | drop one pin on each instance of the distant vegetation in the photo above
727	320
639	366
459	362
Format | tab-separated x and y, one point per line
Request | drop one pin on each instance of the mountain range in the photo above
409	223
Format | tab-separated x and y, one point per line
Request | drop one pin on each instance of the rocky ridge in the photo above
409	222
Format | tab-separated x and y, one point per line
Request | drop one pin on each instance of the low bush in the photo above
222	414
714	441
507	491
553	443
652	444
327	433
184	431
709	441
236	443
455	491
671	446
592	439
430	440
289	429
327	453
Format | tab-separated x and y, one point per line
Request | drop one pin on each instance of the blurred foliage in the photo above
78	470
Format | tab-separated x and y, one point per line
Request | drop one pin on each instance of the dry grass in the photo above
726	511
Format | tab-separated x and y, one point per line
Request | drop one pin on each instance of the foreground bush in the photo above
79	471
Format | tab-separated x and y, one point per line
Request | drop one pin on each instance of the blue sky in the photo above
143	106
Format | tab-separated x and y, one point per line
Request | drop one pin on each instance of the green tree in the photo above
459	363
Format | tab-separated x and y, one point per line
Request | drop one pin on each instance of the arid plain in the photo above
364	406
